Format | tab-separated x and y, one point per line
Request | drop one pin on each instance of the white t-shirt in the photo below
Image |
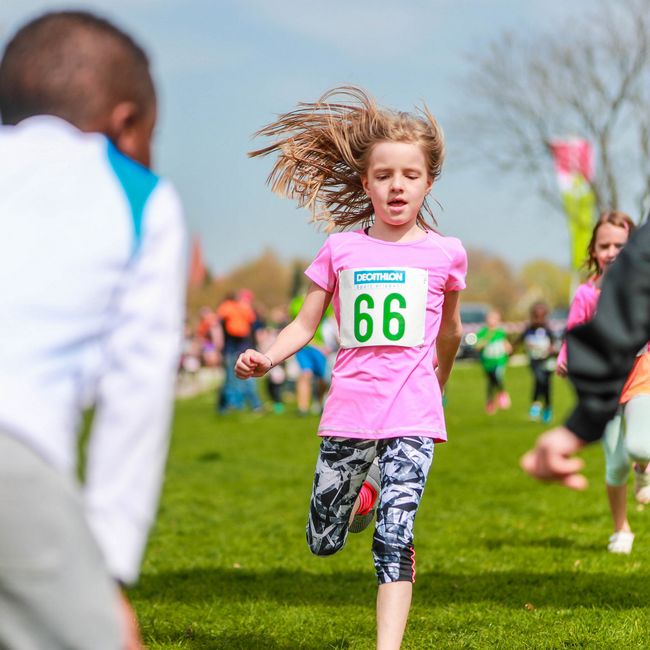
92	276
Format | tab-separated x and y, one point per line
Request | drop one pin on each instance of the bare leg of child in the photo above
622	539
404	464
617	469
393	604
617	495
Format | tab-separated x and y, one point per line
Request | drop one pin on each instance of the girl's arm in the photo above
291	339
581	311
449	336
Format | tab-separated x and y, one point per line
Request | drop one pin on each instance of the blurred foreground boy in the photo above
91	285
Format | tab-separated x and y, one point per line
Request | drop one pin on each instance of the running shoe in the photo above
535	411
373	479
547	415
490	407
503	400
621	542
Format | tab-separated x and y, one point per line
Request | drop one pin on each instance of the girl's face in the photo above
610	239
397	181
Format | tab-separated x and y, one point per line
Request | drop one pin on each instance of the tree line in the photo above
490	280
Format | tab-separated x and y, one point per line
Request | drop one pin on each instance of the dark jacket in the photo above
601	353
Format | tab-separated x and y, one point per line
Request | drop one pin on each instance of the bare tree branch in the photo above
591	78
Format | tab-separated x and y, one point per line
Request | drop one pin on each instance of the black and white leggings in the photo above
340	471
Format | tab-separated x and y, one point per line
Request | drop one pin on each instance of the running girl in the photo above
626	434
394	284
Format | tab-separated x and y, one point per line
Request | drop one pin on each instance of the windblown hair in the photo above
324	148
615	218
74	65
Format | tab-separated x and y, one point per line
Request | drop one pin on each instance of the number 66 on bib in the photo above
382	306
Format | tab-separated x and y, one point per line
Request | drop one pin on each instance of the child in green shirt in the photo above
494	350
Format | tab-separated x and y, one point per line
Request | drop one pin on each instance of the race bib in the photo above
494	350
382	306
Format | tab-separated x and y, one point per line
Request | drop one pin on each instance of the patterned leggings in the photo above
340	471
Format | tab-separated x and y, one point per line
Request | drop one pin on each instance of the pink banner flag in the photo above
574	166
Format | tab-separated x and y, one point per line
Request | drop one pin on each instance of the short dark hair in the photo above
74	65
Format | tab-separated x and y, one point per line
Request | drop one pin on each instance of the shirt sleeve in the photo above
321	270
457	269
602	352
129	439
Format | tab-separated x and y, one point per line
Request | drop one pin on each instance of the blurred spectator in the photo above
277	376
209	336
313	380
237	318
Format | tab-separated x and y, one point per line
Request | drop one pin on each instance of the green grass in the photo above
503	561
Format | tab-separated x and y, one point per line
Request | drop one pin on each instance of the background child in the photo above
494	351
394	286
540	345
610	234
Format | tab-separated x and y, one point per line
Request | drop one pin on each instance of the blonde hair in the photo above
615	218
324	147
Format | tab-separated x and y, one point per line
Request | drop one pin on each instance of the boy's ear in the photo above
122	118
126	130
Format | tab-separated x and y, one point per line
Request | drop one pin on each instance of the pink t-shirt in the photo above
387	298
582	310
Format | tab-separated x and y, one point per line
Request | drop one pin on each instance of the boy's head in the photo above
83	69
493	318
538	313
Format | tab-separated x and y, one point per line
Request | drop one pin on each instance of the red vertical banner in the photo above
198	271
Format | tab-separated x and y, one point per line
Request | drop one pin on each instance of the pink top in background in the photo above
387	391
582	310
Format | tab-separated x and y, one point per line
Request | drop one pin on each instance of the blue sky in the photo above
224	68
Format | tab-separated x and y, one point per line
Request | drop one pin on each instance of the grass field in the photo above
503	562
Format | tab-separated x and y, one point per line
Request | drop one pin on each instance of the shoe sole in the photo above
361	522
618	550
